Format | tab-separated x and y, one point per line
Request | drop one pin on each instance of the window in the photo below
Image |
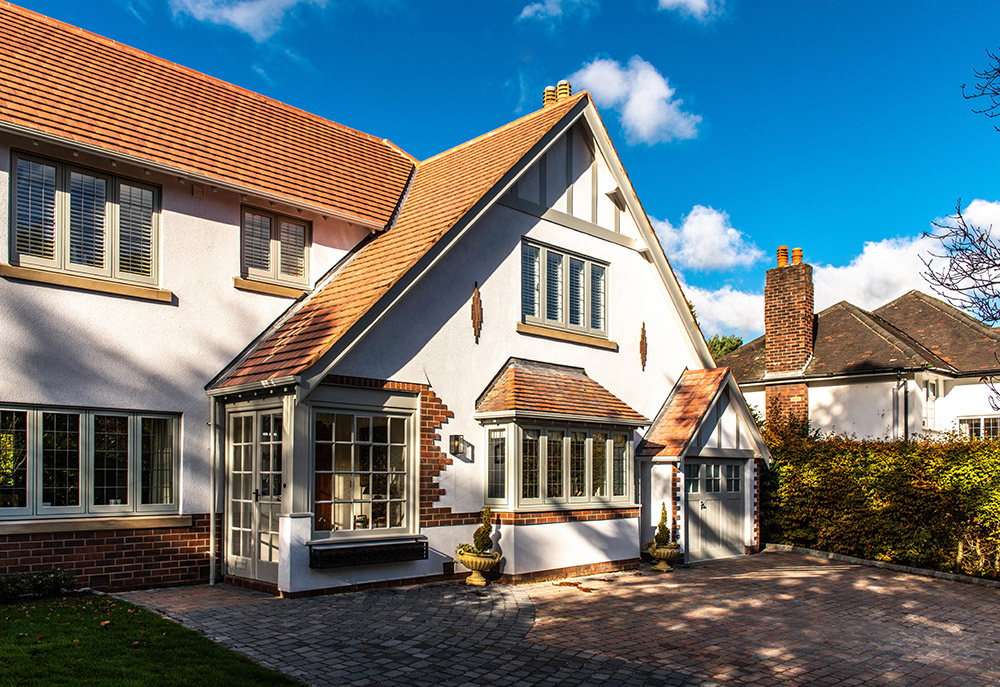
979	427
67	462
362	477
559	466
930	404
563	290
496	477
275	248
71	219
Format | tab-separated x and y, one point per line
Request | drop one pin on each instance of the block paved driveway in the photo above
772	619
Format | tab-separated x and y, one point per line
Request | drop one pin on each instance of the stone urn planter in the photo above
664	547
478	563
476	556
664	555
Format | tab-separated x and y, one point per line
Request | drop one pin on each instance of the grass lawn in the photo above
101	640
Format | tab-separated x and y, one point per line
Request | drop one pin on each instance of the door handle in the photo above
703	506
256	496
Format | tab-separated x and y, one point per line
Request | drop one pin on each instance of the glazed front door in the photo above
254	494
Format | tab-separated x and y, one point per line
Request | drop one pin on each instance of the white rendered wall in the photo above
428	337
70	347
962	398
863	408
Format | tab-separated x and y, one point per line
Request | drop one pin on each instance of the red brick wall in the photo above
115	560
788	317
787	399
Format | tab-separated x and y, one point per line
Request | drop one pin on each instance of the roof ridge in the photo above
875	324
517	122
136	52
951	311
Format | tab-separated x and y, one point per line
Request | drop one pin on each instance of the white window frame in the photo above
931	394
515	433
980	426
35	506
563	320
60	261
274	275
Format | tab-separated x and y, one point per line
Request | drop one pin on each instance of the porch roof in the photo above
674	426
546	389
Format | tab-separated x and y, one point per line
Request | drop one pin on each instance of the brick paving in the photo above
772	619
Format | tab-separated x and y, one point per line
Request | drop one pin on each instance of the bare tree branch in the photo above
965	270
986	88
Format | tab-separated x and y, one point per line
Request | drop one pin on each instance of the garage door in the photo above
714	508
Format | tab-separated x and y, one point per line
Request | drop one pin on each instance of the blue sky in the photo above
838	127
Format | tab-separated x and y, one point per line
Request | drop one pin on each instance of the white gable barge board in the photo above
686	319
315	374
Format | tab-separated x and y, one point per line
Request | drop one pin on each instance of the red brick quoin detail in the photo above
114	560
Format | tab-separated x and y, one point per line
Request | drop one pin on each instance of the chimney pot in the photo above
782	256
796	256
562	90
549	96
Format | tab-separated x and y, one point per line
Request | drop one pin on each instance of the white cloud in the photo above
702	10
982	213
554	9
259	18
643	97
728	311
706	240
883	271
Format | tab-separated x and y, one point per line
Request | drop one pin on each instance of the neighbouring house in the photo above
912	366
387	344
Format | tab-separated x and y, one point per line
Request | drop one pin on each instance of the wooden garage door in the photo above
714	508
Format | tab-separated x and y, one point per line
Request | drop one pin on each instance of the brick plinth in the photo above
115	560
574	571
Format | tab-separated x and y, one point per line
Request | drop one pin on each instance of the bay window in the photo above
76	220
562	290
69	462
559	465
364	481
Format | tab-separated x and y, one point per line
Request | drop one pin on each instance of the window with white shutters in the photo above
275	248
70	219
562	290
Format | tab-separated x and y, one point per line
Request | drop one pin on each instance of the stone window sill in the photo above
73	281
267	289
134	522
563	335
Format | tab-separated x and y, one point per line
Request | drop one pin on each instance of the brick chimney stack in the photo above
788	330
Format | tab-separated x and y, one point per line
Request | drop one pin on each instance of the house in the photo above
243	340
911	366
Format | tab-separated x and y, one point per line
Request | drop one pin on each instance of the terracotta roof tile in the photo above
60	80
444	189
528	386
676	423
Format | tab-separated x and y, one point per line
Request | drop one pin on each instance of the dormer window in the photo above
559	289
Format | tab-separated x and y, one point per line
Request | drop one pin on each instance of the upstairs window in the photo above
562	290
71	219
275	248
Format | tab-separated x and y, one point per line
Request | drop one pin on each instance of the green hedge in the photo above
51	582
930	504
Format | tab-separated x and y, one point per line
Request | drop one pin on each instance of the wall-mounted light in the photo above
456	445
